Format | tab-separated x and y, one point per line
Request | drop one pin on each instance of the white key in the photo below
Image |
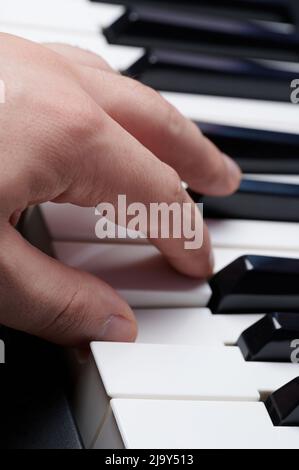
67	222
254	234
154	424
256	114
190	326
142	276
170	372
67	15
269	376
288	179
119	57
137	272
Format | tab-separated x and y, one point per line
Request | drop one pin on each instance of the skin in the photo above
70	125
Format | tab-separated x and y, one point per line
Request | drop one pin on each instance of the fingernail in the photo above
117	328
233	169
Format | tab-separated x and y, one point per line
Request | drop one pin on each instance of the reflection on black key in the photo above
256	284
272	339
170	29
255	200
266	10
283	405
256	151
188	72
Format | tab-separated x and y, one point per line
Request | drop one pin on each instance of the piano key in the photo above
190	326
173	372
154	371
185	372
256	284
119	57
286	179
66	222
187	72
264	115
283	405
151	27
171	424
77	16
89	401
132	271
270	376
256	151
255	199
271	339
250	234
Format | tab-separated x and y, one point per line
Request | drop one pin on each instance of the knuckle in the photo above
82	122
72	317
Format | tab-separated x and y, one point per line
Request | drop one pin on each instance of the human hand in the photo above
73	130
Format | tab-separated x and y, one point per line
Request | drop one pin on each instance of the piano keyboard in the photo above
193	379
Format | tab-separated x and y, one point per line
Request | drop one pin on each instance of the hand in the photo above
73	130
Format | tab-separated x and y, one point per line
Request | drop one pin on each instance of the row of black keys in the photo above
255	284
208	54
252	284
256	151
285	11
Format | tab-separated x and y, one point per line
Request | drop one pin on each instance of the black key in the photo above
272	339
256	151
255	200
283	405
266	10
188	72
255	284
170	29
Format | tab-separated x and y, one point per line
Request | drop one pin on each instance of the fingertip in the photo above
233	174
198	265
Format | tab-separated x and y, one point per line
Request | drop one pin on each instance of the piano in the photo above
204	373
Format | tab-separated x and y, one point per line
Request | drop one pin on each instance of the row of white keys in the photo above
210	378
141	275
67	222
186	372
97	385
161	424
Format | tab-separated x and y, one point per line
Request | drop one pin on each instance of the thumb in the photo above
41	296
